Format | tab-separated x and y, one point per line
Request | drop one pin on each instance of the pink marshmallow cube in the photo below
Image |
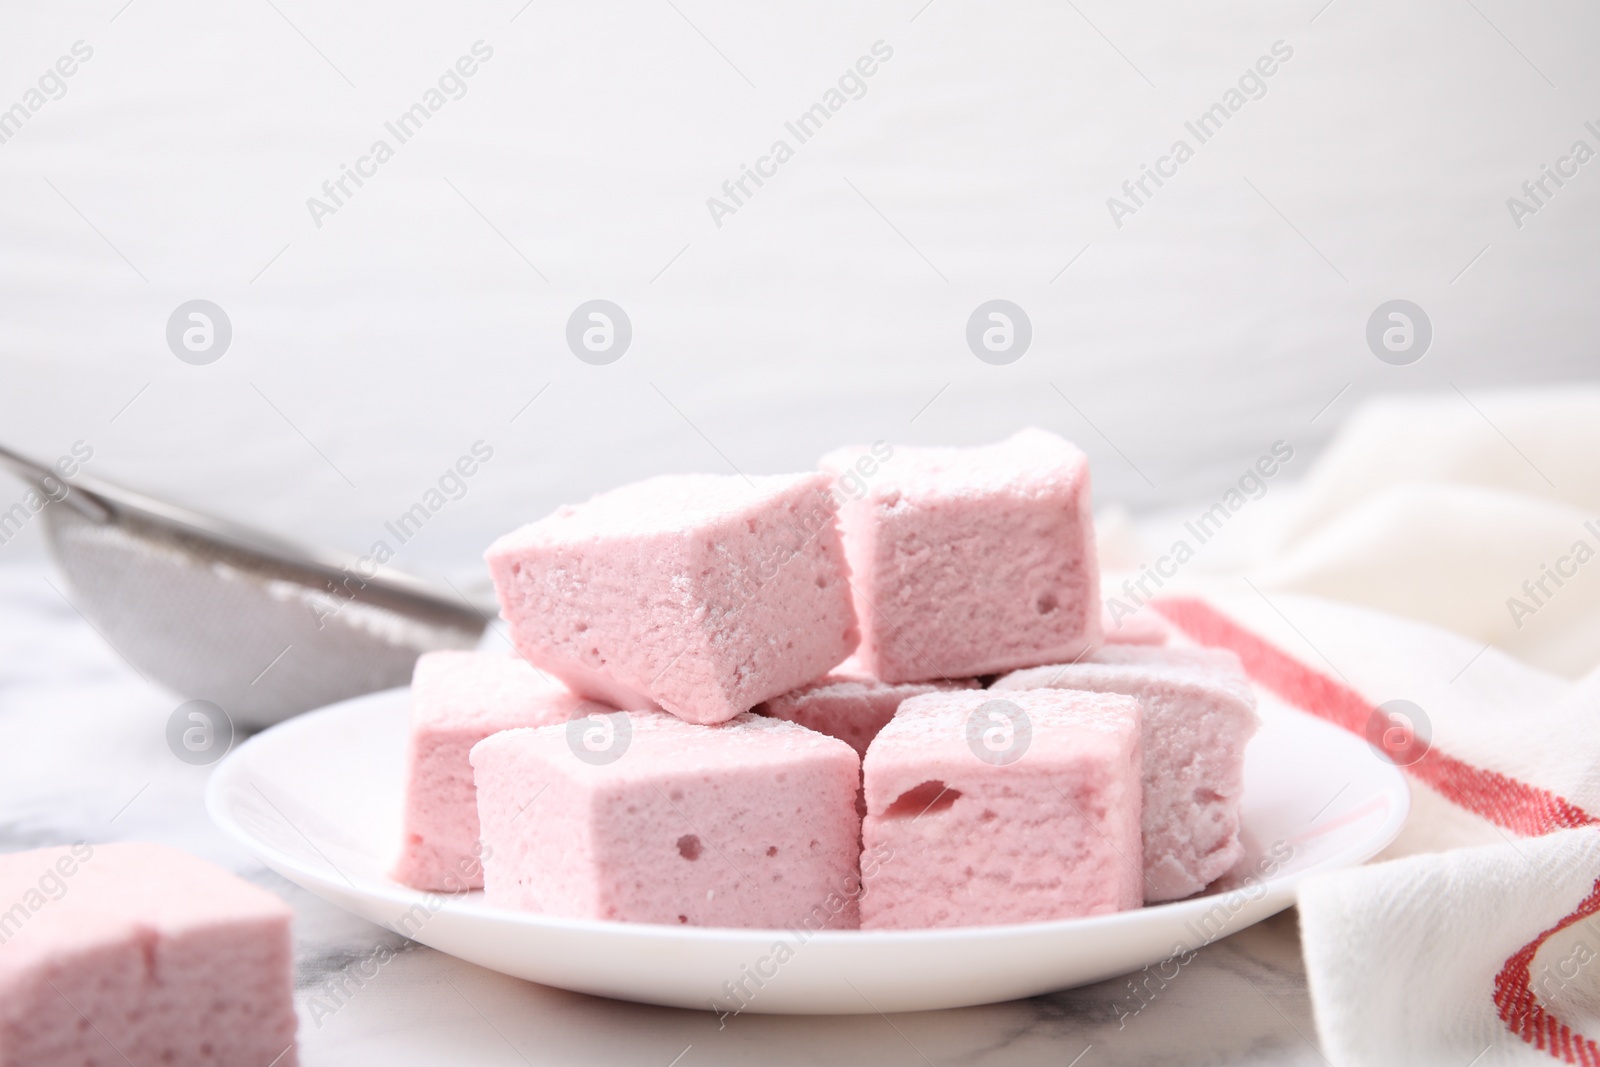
1140	628
969	561
1199	714
698	593
458	699
139	953
751	823
851	704
988	808
1214	661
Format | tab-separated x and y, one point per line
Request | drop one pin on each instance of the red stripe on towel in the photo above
1521	1010
1518	806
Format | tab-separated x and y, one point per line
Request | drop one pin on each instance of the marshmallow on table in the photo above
969	561
850	704
1199	713
751	823
139	953
458	699
701	594
1023	808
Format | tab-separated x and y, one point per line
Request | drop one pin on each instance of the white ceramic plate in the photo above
318	799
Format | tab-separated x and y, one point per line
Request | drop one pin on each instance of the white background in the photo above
1226	314
370	353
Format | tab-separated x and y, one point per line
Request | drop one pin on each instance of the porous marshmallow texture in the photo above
1199	714
851	705
751	823
458	699
139	953
700	594
969	561
983	810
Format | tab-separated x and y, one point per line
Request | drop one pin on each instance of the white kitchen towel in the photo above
1475	956
1480	514
1473	940
1478	946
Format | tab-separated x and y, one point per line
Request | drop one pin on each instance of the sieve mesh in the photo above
260	627
260	638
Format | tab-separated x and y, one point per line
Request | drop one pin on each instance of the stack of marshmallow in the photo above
877	695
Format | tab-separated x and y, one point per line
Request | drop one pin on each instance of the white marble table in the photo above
83	756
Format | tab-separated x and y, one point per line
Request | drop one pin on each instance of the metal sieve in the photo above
260	626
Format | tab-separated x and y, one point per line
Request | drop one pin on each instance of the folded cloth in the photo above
1475	956
1483	935
1475	938
1481	515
